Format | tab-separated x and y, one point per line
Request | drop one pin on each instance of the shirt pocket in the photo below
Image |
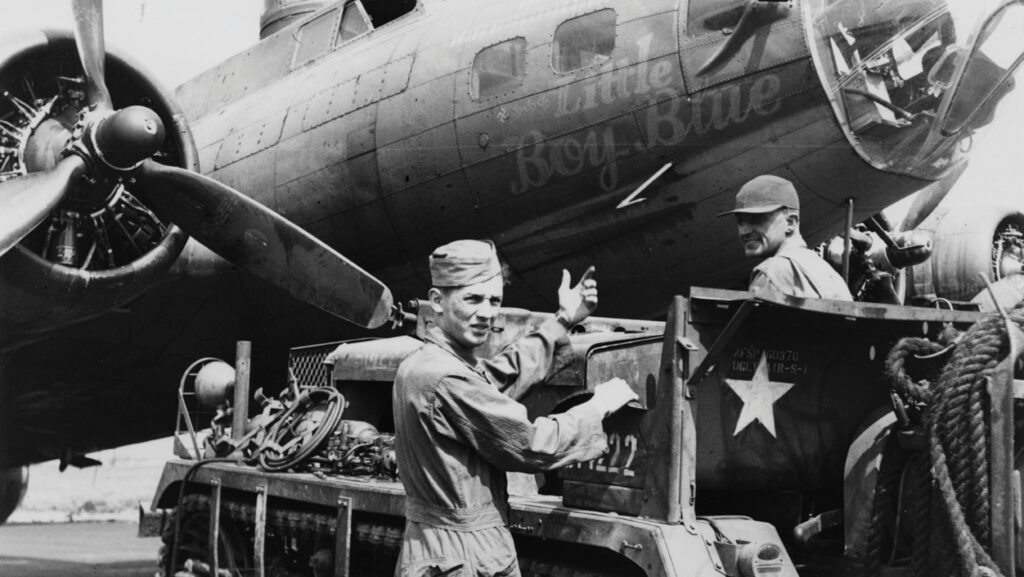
510	571
436	568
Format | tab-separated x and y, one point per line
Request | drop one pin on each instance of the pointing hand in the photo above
578	302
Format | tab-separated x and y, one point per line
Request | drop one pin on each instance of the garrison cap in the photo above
463	263
765	193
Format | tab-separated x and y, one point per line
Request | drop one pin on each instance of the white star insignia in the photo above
758	395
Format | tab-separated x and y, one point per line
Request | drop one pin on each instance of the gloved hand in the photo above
578	302
610	396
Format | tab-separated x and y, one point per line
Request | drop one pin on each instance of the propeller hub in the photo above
127	137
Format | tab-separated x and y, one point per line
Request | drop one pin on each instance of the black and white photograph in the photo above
538	288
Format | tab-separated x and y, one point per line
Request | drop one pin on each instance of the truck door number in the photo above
620	456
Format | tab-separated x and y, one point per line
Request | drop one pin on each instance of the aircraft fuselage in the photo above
379	147
470	119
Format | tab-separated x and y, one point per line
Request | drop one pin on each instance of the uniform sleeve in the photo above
803	275
530	360
761	283
758	280
777	277
472	411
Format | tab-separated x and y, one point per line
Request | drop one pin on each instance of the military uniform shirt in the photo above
798	271
456	435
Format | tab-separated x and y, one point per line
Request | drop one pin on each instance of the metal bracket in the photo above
686	343
343	536
1018	389
260	538
1002	388
215	495
717	349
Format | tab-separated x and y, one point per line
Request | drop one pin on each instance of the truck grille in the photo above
307	364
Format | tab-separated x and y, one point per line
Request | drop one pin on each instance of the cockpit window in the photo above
354	22
584	41
1000	50
315	37
885	70
383	11
336	27
499	68
891	70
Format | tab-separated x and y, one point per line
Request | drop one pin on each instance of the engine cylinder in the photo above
968	244
102	247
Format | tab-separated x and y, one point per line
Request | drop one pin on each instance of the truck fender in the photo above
860	476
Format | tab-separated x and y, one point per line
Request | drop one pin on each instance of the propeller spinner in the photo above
110	146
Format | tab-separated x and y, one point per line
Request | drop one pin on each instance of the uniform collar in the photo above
440	338
792	243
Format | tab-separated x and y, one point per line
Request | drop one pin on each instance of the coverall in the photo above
457	434
800	272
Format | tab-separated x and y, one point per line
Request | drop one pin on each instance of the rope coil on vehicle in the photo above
947	500
896	368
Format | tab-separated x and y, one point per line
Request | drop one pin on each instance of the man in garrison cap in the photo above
457	433
768	221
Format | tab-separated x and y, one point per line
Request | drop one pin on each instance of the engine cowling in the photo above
13	484
101	246
970	243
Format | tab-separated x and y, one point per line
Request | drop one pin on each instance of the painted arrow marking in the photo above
632	198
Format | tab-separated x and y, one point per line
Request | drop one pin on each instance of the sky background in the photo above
176	39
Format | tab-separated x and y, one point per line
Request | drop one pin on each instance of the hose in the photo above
189	475
282	449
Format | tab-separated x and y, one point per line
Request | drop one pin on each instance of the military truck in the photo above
771	440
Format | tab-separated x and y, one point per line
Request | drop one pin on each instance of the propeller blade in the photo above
265	243
929	198
91	50
27	200
923	205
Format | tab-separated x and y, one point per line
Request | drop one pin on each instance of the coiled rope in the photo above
945	496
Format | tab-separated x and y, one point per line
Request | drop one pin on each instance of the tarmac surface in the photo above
110	549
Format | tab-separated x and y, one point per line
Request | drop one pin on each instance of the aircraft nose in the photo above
908	81
984	72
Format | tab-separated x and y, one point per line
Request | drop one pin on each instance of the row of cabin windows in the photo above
585	41
579	42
